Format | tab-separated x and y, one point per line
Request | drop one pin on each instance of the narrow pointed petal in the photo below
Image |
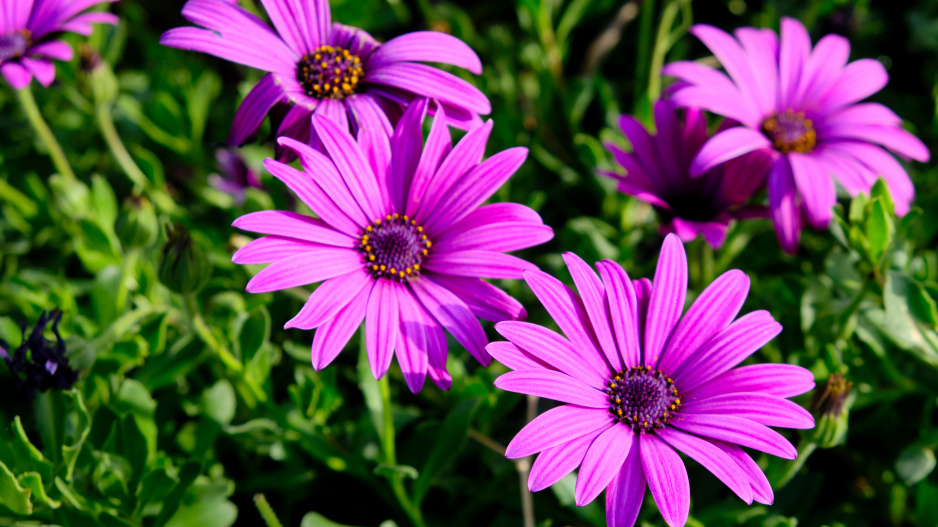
357	175
666	304
465	156
293	225
764	409
713	310
552	349
453	314
497	237
514	357
816	188
555	426
406	146
382	326
780	380
595	300
761	489
783	205
556	462
304	269
484	299
628	490
426	46
667	479
332	336
439	144
330	297
712	458
254	108
728	348
602	462
478	264
552	385
412	347
566	308
726	145
736	430
269	249
623	311
310	193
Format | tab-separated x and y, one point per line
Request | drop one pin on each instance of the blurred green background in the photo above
189	406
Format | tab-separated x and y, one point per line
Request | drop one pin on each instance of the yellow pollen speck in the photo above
378	221
425	252
406	218
419	229
368	248
424	237
337	71
396	215
416	267
389	217
384	267
408	270
401	274
368	228
318	56
324	64
619	411
371	257
428	243
393	271
677	401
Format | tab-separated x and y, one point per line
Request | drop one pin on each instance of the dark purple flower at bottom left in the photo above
38	363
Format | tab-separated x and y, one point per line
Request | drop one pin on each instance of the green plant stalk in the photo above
118	150
851	310
664	41
390	454
131	257
805	449
205	333
266	511
644	43
39	124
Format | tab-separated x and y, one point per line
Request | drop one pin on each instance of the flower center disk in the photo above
642	398
329	73
790	132
394	247
14	45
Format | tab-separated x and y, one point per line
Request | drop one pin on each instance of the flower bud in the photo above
185	268
137	225
831	406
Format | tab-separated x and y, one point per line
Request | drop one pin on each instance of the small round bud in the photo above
831	406
184	268
137	225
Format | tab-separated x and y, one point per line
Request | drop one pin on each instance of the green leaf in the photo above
922	304
252	331
103	200
82	429
32	481
314	519
187	475
133	446
219	402
12	495
880	229
28	457
447	445
915	463
154	487
389	470
217	513
881	191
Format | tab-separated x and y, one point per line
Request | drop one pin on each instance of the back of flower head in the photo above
39	364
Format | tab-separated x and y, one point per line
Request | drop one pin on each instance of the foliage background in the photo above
162	431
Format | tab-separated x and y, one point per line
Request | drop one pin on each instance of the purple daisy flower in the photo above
400	242
326	68
801	105
641	383
658	172
27	28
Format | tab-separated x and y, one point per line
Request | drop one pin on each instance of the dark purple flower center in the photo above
329	73
14	45
394	247
642	398
790	132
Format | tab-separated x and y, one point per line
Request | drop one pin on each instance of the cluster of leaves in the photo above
190	404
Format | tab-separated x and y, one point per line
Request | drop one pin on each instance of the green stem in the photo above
127	269
205	333
120	153
805	449
39	124
390	454
266	511
644	43
851	310
663	42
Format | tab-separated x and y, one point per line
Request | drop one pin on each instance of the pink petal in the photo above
330	297
736	430
453	314
304	269
594	297
333	335
626	492
667	298
764	409
726	145
603	461
783	205
478	264
412	348
552	385
816	188
781	380
667	479
426	46
382	325
555	426
557	461
623	311
293	225
712	457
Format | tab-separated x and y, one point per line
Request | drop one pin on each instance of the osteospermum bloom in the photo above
658	172
801	105
27	36
642	383
327	68
39	364
401	241
234	177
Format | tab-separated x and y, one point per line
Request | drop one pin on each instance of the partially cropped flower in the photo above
641	383
235	176
800	105
28	29
658	172
39	364
400	242
326	68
